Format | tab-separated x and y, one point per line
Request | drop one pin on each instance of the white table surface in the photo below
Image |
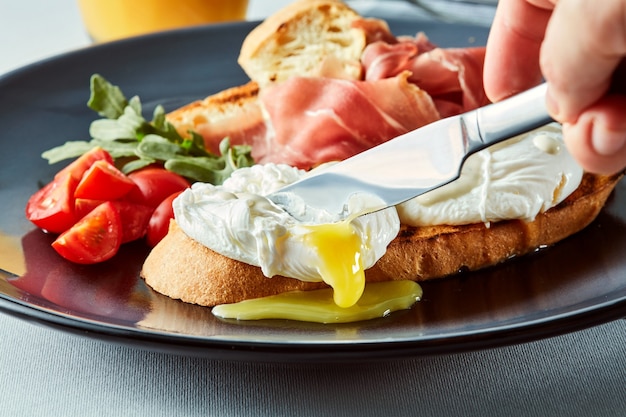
51	373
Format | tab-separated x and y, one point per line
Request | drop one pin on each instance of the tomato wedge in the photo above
155	185
94	238
82	206
102	181
52	207
82	164
160	220
134	218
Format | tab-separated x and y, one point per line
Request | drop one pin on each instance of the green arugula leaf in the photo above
71	149
158	148
135	143
106	99
117	149
137	164
158	118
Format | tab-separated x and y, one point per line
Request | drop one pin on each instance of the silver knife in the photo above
418	161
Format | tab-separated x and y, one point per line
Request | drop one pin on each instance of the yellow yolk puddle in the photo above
339	251
379	299
340	265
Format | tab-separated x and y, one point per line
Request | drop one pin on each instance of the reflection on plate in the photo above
578	283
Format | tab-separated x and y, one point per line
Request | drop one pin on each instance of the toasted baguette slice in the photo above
435	251
234	112
181	268
307	37
236	102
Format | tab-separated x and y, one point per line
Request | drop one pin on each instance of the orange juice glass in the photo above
107	20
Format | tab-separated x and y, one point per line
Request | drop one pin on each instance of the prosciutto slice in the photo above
317	120
452	76
408	82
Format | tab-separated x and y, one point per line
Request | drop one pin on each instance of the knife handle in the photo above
513	116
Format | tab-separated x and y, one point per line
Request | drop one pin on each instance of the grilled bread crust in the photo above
215	111
305	38
300	39
182	268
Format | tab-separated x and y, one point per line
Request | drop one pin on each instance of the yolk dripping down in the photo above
339	248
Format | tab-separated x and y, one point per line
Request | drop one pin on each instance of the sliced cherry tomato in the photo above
86	160
155	185
102	181
94	238
82	206
160	220
134	218
52	207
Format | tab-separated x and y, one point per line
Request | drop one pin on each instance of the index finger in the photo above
584	46
512	57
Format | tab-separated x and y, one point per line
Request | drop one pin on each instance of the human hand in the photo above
579	46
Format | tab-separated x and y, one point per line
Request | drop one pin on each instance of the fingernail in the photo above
606	141
552	105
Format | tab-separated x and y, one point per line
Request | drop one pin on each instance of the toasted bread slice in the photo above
430	252
307	37
182	268
235	113
236	102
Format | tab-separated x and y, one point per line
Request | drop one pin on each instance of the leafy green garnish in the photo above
107	99
135	142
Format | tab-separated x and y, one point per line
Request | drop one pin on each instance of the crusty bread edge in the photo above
214	108
184	269
272	24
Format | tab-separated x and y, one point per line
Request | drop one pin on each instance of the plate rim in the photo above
310	351
304	350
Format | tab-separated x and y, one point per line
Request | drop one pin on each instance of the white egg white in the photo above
237	221
515	179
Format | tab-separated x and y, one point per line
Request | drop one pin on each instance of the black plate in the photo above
578	283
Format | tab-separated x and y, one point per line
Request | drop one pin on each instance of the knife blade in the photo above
418	161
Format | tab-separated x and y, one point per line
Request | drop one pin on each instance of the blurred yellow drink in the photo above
107	20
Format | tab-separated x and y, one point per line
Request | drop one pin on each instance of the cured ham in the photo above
408	83
316	120
452	76
235	113
306	121
375	30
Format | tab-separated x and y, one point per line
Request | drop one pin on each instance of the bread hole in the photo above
340	39
295	49
335	29
285	39
342	42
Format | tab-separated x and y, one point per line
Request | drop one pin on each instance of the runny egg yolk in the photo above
340	266
339	262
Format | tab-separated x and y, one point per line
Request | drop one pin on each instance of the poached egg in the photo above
516	179
237	221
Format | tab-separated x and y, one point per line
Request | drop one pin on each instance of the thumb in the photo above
584	45
597	139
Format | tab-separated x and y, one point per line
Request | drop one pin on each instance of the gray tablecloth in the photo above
50	373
